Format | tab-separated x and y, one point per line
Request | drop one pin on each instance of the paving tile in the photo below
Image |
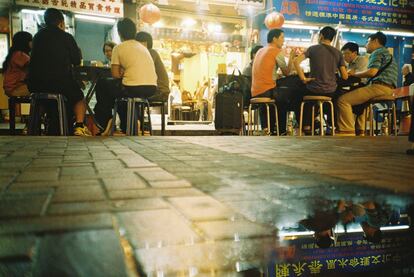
51	175
201	208
156	228
55	223
152	192
170	184
234	229
83	253
16	246
106	206
155	174
31	205
36	184
124	184
78	194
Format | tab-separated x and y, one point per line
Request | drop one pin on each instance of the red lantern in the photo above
149	13
274	20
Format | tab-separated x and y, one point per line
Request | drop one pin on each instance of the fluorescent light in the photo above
159	24
303	27
344	29
95	18
401	227
397	33
364	31
353	230
188	22
288	234
212	27
41	12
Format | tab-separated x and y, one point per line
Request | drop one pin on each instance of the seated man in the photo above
163	88
132	63
407	74
356	63
325	61
263	83
382	73
54	54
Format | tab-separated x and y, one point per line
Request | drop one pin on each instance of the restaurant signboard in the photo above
377	14
112	8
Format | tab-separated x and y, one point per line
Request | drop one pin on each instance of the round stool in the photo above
35	112
135	112
389	101
255	104
316	100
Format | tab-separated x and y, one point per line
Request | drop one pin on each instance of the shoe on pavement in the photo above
82	131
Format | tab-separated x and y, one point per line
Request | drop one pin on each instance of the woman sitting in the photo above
15	66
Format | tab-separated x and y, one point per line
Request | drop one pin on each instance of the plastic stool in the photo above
389	101
34	122
13	100
133	106
255	104
316	101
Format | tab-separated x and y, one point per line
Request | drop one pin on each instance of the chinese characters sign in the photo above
351	254
369	13
98	7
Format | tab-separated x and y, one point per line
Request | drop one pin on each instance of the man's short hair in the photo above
408	66
382	39
324	242
53	17
375	238
254	51
351	46
274	33
144	37
126	28
328	33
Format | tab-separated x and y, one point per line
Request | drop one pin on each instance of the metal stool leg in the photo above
268	119
249	121
163	119
313	119
333	117
394	115
114	112
149	117
371	119
129	117
301	118
12	120
276	120
321	117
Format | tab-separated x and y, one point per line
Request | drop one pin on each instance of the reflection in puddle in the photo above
336	238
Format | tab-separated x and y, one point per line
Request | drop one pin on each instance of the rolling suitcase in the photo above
229	111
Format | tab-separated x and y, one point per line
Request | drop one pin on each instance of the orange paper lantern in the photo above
149	13
274	20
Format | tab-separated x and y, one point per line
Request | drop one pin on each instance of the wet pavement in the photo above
205	206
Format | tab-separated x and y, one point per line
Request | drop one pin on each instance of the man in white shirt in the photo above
132	63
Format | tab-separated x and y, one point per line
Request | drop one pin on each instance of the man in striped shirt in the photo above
382	73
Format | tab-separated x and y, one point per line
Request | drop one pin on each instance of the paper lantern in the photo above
149	13
274	20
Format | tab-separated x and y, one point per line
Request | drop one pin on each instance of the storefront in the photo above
196	42
354	19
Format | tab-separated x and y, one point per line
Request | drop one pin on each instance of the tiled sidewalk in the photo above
186	206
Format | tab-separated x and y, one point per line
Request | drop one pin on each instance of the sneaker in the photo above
82	131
